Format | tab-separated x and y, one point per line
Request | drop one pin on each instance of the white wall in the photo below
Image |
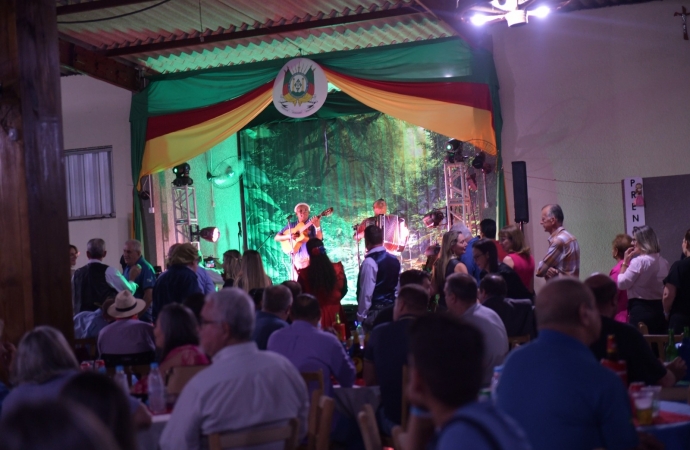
95	113
593	97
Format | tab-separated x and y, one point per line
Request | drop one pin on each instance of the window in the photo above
89	183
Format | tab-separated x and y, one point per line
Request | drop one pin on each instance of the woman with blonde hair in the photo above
252	273
232	265
519	258
642	274
453	246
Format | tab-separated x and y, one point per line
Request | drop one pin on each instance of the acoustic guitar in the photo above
300	230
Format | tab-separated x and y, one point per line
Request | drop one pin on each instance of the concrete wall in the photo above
589	98
95	113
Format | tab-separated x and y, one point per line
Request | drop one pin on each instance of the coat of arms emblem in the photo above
300	88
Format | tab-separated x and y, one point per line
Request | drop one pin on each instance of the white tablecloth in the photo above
148	439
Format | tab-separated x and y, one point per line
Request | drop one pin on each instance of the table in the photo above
349	401
675	436
148	439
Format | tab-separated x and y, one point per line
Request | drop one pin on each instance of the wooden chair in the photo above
661	341
405	403
177	377
514	341
675	394
370	430
399	438
256	436
314	377
85	349
313	419
643	328
319	429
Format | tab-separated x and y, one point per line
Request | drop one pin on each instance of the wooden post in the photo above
34	238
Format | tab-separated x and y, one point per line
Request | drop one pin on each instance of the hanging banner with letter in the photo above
633	204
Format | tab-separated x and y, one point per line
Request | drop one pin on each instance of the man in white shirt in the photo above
96	282
243	388
461	298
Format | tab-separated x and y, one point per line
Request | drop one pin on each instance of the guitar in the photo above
302	237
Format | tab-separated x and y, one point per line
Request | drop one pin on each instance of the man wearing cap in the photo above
127	335
180	280
302	210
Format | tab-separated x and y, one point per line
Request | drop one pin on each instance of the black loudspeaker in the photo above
520	191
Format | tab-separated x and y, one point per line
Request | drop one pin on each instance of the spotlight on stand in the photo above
453	152
433	219
211	234
182	177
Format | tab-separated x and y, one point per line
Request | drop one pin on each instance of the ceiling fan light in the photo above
540	12
479	19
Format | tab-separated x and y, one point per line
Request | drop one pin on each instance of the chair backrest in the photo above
131	359
399	438
370	430
85	349
313	419
405	402
675	394
515	341
660	341
325	421
313	377
177	377
256	436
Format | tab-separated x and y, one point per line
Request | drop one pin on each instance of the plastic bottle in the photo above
121	379
361	335
494	382
156	390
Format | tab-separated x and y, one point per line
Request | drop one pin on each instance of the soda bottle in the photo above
121	379
339	328
357	355
671	350
156	390
613	361
611	348
494	381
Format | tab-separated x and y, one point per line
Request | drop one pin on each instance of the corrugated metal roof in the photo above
180	19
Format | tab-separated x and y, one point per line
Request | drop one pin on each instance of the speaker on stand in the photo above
520	192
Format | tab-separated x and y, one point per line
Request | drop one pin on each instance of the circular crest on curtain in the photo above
300	88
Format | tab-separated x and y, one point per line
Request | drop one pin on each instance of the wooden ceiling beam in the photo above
223	37
95	6
90	63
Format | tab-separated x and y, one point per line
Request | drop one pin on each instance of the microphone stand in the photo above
293	272
239	235
271	233
355	227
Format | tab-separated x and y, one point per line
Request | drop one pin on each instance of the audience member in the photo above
176	336
73	255
466	256
145	280
378	278
621	243
641	363
487	230
311	349
127	335
53	425
252	274
195	303
275	306
517	314
95	282
676	297
232	266
205	276
446	372
519	255
257	296
244	387
563	255
325	280
87	324
294	287
180	280
453	245
461	296
411	276
553	387
386	353
642	274
106	400
486	258
42	365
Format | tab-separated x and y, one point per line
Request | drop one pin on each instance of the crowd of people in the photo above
449	330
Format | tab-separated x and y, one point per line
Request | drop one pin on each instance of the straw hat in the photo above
126	306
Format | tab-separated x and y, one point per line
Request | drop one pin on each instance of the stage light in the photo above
480	19
211	234
182	177
452	145
433	218
453	151
540	12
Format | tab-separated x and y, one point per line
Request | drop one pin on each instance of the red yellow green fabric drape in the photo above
461	110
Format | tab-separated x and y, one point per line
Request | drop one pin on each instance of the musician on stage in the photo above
380	207
302	210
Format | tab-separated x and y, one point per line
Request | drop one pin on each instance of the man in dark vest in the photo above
95	282
378	278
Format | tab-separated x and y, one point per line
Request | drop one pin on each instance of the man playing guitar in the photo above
301	258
